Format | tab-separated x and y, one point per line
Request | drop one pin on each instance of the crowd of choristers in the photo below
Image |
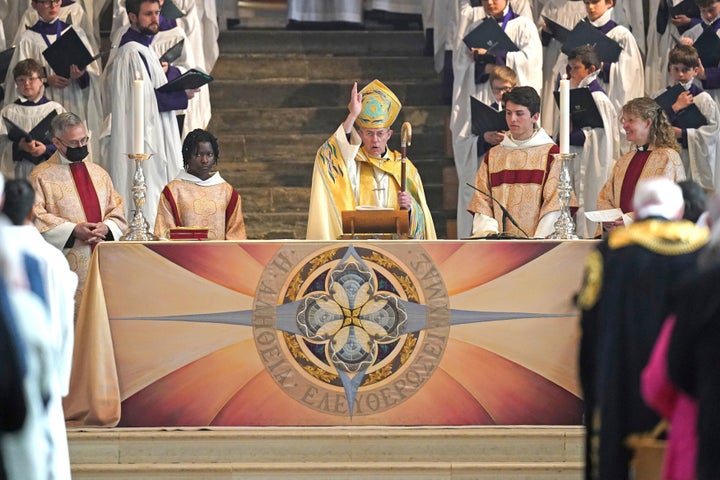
652	59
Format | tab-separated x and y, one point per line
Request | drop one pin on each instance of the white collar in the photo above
604	18
588	80
215	179
540	137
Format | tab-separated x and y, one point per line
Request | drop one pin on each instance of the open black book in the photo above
583	109
484	118
173	53
708	47
558	31
187	81
585	34
688	117
68	50
491	37
41	133
170	11
687	7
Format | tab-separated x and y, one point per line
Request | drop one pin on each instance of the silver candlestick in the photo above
139	229
564	226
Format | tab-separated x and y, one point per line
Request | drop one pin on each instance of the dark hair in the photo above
695	199
27	67
705	3
587	55
133	6
193	140
684	55
525	96
19	199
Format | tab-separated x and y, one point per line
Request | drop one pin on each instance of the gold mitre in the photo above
380	106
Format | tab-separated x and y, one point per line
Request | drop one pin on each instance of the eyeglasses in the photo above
48	2
499	90
208	155
77	143
24	80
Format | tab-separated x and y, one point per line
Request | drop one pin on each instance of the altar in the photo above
300	333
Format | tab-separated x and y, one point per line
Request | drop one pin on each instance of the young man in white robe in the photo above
19	157
526	63
81	91
595	148
46	430
136	60
699	152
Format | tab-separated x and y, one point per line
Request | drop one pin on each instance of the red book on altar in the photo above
188	233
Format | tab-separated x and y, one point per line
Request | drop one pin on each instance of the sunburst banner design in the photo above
264	333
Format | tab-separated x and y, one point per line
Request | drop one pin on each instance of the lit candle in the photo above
138	115
564	115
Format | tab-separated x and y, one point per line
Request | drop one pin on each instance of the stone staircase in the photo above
278	95
360	453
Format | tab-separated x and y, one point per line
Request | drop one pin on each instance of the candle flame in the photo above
564	76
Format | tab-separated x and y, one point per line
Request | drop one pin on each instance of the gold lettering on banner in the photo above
403	273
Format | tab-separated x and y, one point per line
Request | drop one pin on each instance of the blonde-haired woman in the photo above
656	153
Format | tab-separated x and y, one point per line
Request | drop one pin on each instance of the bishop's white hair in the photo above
658	197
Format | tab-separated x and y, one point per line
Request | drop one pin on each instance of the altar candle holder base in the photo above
139	229
564	226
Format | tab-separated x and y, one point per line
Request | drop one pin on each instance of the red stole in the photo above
86	192
173	206
632	175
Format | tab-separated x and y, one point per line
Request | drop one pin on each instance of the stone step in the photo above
301	147
346	43
244	94
334	470
317	119
321	68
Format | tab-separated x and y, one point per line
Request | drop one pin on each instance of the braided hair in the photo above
192	142
661	133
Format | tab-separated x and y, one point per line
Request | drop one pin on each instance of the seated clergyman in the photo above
354	167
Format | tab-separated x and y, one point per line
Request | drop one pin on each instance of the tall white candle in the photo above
138	116
564	115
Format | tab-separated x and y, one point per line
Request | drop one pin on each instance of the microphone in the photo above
505	213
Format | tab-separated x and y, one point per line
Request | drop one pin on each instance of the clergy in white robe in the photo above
136	60
76	206
595	148
629	13
81	93
56	333
18	156
526	63
567	13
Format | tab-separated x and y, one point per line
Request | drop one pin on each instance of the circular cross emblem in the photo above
349	329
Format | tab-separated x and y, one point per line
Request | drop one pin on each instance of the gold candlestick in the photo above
564	226
139	229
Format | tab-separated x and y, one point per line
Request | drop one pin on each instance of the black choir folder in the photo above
170	11
491	37
585	34
557	30
68	50
40	132
583	109
5	58
189	80
708	48
484	118
689	117
687	7
173	53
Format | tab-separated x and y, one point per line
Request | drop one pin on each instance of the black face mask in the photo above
75	154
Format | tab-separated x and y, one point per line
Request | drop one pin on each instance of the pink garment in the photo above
680	410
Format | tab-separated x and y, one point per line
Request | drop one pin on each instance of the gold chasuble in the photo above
345	177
